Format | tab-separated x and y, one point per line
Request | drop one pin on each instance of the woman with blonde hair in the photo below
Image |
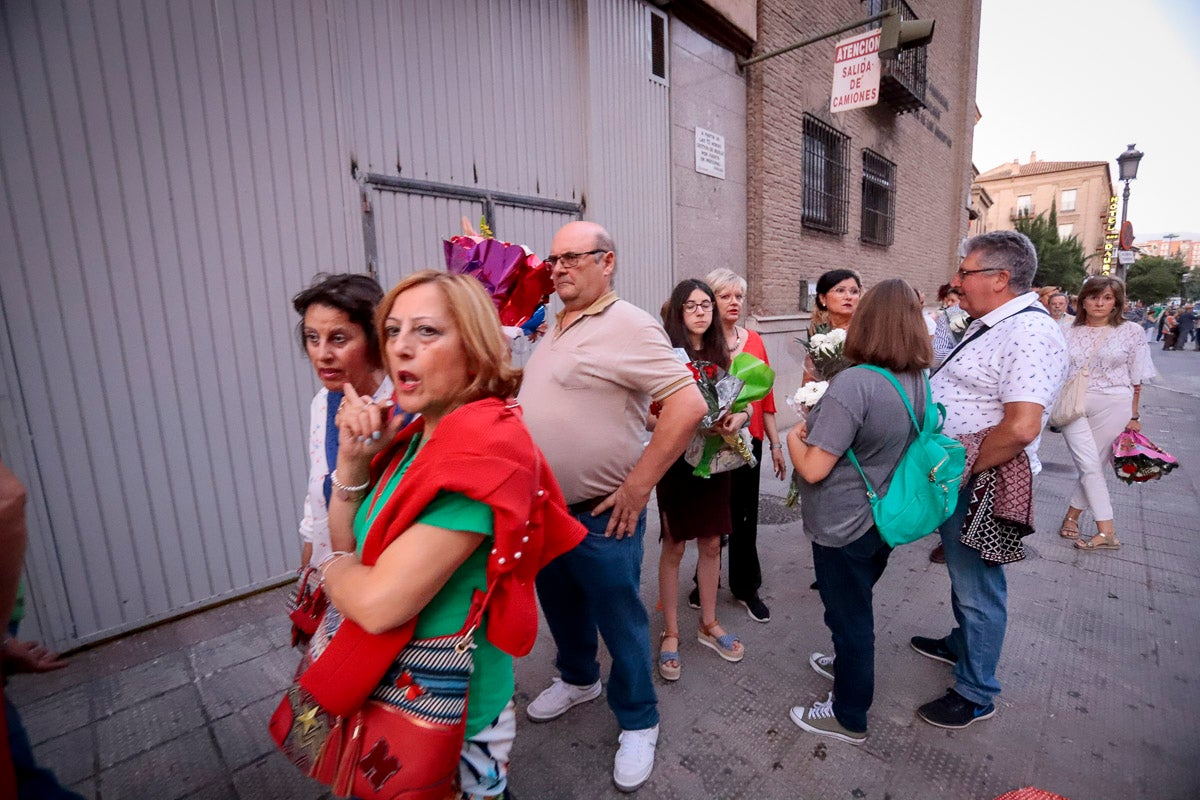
456	512
1116	357
745	570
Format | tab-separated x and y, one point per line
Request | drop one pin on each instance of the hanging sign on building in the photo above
1111	235
855	72
710	153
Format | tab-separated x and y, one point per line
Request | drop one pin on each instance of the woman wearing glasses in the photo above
692	507
838	291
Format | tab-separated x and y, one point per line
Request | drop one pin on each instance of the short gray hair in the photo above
1006	250
721	277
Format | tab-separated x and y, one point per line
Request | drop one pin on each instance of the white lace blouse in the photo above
1122	362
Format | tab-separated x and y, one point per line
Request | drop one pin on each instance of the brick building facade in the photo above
903	161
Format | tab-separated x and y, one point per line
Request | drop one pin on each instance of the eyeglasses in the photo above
691	306
963	273
570	260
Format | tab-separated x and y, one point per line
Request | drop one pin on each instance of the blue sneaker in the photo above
954	711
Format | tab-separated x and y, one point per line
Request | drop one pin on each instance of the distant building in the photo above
1187	250
1080	191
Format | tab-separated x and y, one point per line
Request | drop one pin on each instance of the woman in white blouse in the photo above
337	332
1117	359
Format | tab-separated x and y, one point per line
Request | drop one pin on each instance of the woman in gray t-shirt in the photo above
861	409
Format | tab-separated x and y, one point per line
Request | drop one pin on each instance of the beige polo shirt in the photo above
587	390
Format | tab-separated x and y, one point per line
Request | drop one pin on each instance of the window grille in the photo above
658	45
826	170
878	199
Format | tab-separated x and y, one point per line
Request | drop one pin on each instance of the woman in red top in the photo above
745	573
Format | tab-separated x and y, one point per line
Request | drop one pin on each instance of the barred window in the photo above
878	199
826	168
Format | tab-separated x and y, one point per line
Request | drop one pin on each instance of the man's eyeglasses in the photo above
963	273
691	305
570	260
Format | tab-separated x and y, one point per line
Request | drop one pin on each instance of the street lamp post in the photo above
1127	164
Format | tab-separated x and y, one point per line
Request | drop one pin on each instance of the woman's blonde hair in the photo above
1096	285
489	358
888	329
721	277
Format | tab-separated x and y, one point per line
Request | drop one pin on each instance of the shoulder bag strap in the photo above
1034	308
1087	370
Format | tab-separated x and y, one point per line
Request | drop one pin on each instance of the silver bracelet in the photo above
339	485
325	562
776	447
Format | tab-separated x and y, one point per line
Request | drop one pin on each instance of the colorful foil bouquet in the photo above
1136	459
518	281
748	379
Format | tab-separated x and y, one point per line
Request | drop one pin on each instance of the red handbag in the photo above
306	605
404	742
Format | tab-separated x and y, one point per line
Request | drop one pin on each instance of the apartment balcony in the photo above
902	83
1022	212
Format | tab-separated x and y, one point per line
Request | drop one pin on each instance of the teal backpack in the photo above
924	488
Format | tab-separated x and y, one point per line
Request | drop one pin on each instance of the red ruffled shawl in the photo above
481	450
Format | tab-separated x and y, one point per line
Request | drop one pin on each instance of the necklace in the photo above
737	338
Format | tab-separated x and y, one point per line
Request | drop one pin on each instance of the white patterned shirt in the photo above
1022	358
1122	362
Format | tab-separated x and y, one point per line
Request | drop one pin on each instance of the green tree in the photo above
1061	262
1191	284
1152	279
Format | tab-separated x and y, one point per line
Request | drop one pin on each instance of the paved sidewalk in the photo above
1101	670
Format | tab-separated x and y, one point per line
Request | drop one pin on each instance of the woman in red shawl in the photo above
458	502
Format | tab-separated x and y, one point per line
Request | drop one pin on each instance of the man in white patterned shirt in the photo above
1005	376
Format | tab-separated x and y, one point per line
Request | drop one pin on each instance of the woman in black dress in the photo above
692	507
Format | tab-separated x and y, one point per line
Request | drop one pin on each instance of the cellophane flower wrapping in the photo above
517	280
825	348
1136	459
727	392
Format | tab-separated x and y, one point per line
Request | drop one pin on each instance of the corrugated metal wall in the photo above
171	176
173	173
629	159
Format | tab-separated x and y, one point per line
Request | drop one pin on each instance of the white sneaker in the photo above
635	758
559	699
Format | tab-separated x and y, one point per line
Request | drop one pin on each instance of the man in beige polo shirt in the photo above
586	393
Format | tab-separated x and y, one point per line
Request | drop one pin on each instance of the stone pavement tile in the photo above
27	689
217	790
232	647
172	770
85	789
275	777
141	727
242	736
141	682
58	714
236	687
72	756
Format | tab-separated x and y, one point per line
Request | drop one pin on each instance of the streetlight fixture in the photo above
1127	165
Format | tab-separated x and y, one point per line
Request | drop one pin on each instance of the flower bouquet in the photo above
957	321
518	281
825	349
802	402
726	392
1136	459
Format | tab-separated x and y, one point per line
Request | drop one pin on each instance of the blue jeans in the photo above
595	588
845	577
979	597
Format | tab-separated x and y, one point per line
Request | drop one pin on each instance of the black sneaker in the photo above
757	609
933	648
952	710
694	597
